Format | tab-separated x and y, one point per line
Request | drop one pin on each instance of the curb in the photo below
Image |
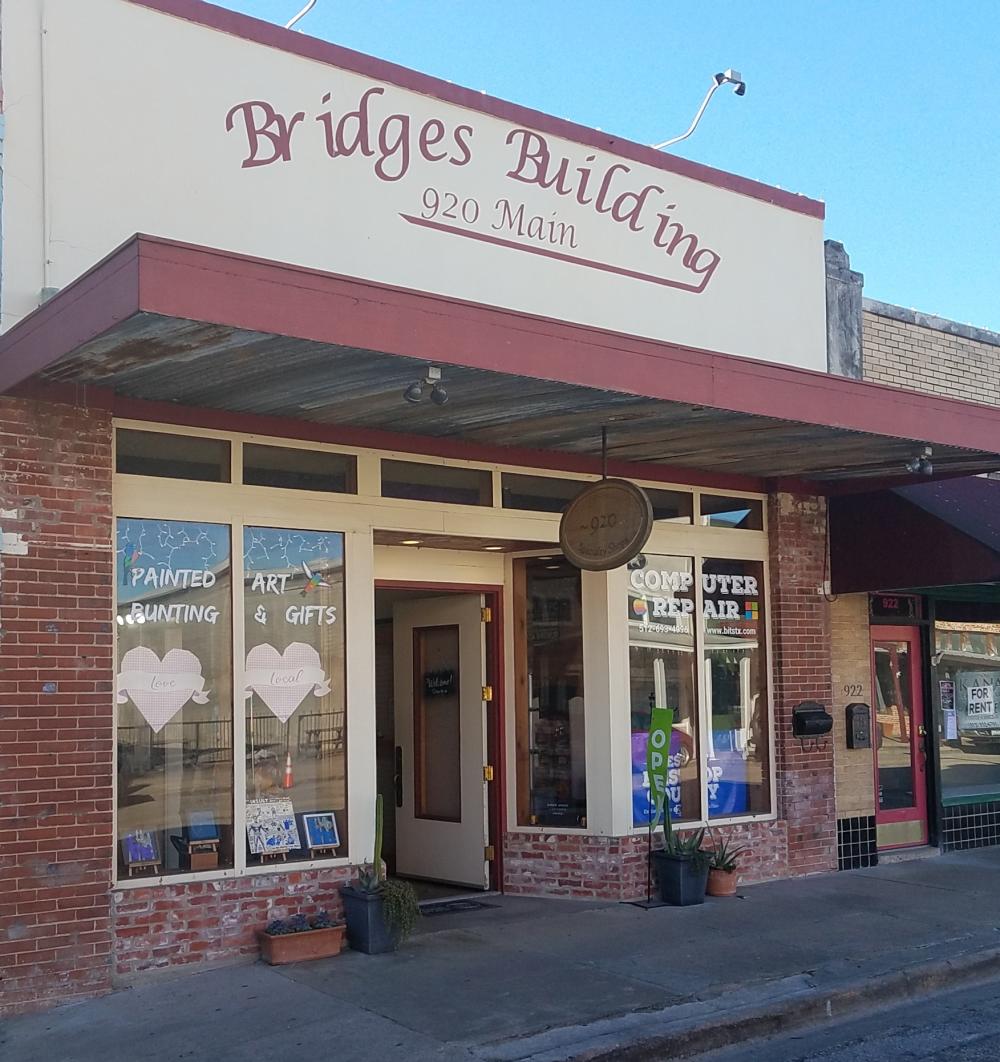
685	1037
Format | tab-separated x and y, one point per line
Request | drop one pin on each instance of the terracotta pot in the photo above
297	947
722	882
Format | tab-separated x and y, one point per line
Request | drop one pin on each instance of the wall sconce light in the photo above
432	379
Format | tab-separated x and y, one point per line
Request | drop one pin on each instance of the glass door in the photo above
900	738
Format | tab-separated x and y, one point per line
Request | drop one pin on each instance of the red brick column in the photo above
56	703
801	665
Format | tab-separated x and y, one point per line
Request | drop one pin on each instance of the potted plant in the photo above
681	867
380	913
297	938
722	876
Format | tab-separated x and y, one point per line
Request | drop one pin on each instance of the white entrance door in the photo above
439	646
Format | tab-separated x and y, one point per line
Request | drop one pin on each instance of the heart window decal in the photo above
284	680
160	688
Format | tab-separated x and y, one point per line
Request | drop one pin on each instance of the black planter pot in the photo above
681	879
364	913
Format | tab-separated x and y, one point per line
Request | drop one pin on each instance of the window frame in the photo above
716	550
356	515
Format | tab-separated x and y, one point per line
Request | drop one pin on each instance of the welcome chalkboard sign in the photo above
439	683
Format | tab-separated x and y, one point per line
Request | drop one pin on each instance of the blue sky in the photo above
887	110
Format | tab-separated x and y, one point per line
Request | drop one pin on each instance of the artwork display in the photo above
321	830
174	692
294	690
202	827
140	848
271	827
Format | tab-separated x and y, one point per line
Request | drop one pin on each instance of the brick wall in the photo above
55	703
801	665
906	349
855	786
614	868
173	925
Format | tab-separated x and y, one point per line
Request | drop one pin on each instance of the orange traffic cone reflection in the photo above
288	782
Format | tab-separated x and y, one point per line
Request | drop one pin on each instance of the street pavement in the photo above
548	980
962	1025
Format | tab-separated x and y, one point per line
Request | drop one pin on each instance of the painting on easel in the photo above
271	827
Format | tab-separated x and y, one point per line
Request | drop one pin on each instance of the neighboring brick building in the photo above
906	348
944	579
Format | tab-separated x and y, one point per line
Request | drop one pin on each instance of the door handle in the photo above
397	777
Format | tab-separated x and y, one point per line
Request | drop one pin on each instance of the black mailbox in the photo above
811	719
859	726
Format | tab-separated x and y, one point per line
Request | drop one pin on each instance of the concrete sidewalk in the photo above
553	979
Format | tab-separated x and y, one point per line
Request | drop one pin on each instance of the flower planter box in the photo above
298	947
681	879
365	916
722	882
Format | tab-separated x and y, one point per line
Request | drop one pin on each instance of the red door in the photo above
900	736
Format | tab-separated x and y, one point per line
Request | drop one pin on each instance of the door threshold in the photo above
904	855
472	894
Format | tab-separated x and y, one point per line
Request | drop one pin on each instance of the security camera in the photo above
920	464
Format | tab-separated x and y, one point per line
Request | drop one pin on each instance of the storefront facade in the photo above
929	775
247	586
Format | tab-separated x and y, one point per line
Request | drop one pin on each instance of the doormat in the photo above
439	907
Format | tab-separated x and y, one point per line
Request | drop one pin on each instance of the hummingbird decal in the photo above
313	581
130	554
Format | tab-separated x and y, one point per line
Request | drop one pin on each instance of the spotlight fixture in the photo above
432	379
727	77
920	465
492	547
411	542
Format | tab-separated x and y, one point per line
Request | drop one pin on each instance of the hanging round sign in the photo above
606	525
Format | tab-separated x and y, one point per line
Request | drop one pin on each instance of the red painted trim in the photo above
496	730
103	297
272	36
200	284
496	745
456	588
237	291
918	813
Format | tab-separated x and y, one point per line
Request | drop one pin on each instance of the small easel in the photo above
146	864
275	855
323	849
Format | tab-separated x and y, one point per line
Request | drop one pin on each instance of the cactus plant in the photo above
379	876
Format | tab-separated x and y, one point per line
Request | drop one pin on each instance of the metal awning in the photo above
943	534
160	330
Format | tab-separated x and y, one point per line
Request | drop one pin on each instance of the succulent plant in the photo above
300	923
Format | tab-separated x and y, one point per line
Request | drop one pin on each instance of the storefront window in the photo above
174	695
735	660
296	728
967	677
551	768
663	674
